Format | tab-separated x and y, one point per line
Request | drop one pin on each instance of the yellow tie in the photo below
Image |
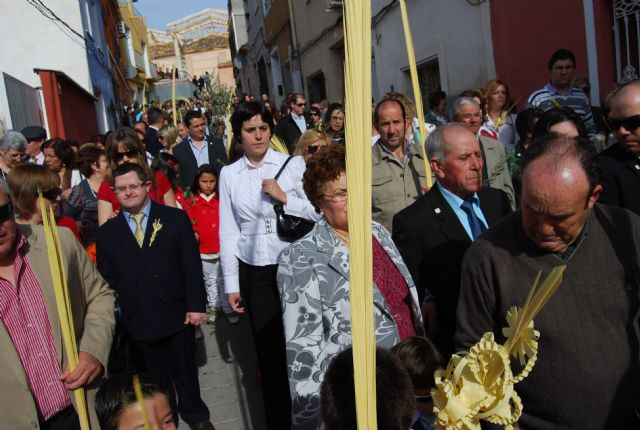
139	234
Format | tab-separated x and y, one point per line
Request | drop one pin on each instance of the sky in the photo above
161	12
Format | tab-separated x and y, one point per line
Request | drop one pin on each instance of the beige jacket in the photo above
92	305
394	185
497	168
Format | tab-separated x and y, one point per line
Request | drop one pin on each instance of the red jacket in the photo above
204	216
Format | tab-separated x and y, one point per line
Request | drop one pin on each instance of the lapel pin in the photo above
437	210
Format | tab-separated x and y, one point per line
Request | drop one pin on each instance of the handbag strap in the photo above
282	168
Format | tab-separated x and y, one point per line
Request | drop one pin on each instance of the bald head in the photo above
625	105
558	190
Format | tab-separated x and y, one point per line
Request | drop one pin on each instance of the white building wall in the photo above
32	41
458	33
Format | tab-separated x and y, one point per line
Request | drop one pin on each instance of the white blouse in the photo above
247	220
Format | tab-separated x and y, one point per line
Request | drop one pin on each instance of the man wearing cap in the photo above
35	136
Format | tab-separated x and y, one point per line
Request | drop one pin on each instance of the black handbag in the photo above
289	227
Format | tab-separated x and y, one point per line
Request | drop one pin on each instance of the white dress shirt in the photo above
247	220
300	121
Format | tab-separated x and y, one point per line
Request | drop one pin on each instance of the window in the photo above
429	79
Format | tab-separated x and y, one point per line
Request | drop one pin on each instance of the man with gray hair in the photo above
495	171
434	232
12	152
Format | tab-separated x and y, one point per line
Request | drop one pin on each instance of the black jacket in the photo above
188	163
158	283
432	242
151	142
288	131
620	178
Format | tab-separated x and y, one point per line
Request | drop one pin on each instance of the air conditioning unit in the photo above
335	4
122	29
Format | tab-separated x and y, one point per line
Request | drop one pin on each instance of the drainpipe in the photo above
294	51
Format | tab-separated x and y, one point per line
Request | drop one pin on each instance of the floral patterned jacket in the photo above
313	280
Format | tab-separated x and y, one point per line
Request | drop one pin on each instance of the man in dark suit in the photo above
291	126
156	122
434	232
148	254
620	163
198	149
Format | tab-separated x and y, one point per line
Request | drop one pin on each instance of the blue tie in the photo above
477	227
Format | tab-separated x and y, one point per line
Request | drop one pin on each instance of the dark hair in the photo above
88	154
421	359
125	168
326	165
557	146
98	138
62	150
205	168
116	394
561	54
395	401
73	143
555	116
146	126
154	116
526	121
376	114
435	98
164	163
332	107
294	97
244	112
186	119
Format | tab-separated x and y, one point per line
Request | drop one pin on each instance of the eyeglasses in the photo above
338	197
6	211
424	399
52	194
312	149
131	187
630	123
131	153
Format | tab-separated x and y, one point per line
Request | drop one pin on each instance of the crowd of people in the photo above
187	224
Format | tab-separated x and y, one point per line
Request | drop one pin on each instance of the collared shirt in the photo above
407	154
202	153
247	220
38	159
145	218
571	249
300	121
23	312
456	204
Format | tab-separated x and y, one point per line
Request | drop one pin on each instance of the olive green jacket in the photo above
395	185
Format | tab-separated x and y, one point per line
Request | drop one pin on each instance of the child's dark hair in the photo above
164	163
116	394
421	358
205	168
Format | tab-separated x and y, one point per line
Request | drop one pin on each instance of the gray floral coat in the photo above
313	280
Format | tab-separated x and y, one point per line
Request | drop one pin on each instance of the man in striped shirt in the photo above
559	92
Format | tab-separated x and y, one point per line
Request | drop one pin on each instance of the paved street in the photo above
227	367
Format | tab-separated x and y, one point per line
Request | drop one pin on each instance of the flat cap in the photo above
34	132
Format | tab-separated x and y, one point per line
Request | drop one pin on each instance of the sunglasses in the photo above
312	149
6	211
630	123
424	399
52	194
131	153
301	104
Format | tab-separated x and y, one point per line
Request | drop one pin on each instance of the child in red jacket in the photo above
204	216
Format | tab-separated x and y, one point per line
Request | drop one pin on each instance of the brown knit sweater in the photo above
586	376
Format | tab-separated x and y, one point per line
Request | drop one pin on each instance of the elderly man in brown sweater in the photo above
587	370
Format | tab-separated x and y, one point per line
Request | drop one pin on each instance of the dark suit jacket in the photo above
151	142
158	283
288	131
432	243
189	164
620	178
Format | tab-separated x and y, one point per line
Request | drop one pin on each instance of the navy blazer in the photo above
158	283
189	164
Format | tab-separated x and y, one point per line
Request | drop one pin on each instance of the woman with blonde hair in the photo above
124	146
168	136
309	143
499	119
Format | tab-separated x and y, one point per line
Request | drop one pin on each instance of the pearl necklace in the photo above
341	236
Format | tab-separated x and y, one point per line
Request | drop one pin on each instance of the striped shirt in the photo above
548	97
24	314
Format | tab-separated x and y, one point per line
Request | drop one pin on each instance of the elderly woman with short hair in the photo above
12	148
313	280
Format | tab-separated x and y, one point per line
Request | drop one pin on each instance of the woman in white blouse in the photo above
250	247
